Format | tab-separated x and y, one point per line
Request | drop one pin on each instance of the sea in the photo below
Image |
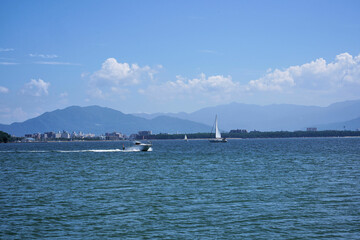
306	188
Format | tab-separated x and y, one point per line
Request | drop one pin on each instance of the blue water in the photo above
243	189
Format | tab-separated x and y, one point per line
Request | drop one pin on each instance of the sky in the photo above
175	56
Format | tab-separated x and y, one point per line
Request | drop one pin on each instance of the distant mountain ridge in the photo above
99	120
273	117
353	124
276	117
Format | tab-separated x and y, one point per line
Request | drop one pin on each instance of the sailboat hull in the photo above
218	140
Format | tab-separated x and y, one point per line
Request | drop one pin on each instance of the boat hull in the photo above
218	140
144	147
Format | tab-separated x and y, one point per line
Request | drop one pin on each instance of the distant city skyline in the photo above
173	56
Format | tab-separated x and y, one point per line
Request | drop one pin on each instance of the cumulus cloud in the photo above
3	89
316	75
216	88
115	73
36	87
114	77
316	81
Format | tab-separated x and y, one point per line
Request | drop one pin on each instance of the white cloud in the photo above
315	82
3	89
36	87
43	55
57	63
6	49
96	93
114	77
217	88
316	75
84	74
116	73
64	94
8	63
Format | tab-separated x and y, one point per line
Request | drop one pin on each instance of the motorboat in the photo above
142	146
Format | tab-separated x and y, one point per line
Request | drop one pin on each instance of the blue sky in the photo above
171	56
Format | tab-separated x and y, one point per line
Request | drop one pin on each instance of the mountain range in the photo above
276	117
99	120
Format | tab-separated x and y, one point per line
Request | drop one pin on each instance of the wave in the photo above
23	151
99	150
76	151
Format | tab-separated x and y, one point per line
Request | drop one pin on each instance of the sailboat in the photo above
185	138
218	137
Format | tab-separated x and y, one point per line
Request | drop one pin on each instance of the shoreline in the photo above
191	139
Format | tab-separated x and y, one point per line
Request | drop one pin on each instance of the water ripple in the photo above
245	189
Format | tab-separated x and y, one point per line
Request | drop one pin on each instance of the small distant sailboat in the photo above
185	138
218	137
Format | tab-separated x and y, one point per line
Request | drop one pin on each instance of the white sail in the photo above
217	138
185	138
217	132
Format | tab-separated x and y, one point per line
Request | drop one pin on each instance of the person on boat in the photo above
123	147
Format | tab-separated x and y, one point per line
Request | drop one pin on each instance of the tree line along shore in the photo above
5	137
258	134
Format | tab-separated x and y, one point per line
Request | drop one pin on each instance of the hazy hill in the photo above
98	120
347	125
271	117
